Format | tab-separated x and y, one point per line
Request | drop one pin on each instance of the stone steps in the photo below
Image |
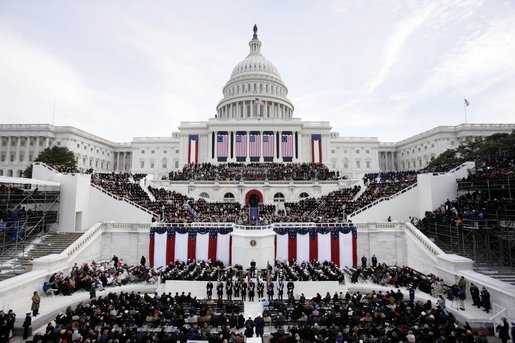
12	263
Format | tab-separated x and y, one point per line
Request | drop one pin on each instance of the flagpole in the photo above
465	110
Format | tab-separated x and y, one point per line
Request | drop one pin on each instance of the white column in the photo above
247	148
275	147
299	145
216	145
8	151
261	158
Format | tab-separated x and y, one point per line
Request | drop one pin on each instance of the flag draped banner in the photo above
222	146
241	146
336	244
170	244
254	146
287	146
268	146
316	148
193	149
177	243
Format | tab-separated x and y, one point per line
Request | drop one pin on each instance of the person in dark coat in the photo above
260	290
244	292
209	290
249	328
26	325
364	262
35	303
280	290
92	292
143	261
259	322
270	291
485	299
290	286
503	331
374	261
220	290
252	290
474	294
115	260
228	290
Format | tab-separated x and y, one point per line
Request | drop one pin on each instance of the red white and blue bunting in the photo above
337	244
170	244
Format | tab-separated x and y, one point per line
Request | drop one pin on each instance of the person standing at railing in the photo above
35	303
503	331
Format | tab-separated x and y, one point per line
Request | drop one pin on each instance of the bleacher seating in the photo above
254	171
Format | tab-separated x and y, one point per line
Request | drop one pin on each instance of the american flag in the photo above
287	144
255	144
222	144
241	144
268	144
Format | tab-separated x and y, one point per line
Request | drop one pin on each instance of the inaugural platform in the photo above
256	225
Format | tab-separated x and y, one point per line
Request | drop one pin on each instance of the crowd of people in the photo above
97	276
382	185
134	317
7	321
387	316
374	317
254	172
174	207
22	209
122	185
485	198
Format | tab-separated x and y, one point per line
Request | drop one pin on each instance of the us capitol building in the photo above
254	122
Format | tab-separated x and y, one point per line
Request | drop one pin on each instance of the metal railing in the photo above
375	202
120	198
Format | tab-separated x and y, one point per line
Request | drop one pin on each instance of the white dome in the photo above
255	89
255	63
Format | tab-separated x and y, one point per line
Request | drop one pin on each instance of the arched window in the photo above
228	197
303	195
278	197
204	195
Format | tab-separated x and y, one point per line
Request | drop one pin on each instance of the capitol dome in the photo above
255	89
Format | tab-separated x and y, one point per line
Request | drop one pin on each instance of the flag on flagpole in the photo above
467	103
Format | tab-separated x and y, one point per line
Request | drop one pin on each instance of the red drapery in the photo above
151	245
192	245
313	247
170	249
275	247
211	254
354	250
230	250
292	248
335	249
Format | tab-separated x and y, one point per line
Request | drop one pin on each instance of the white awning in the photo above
25	181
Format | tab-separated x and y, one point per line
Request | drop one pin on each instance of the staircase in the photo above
505	274
144	183
18	261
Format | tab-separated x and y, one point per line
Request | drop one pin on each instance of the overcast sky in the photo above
389	69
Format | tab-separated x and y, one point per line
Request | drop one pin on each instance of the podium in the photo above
253	245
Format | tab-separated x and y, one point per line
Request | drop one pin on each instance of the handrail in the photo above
426	242
47	166
375	202
496	315
83	239
117	197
